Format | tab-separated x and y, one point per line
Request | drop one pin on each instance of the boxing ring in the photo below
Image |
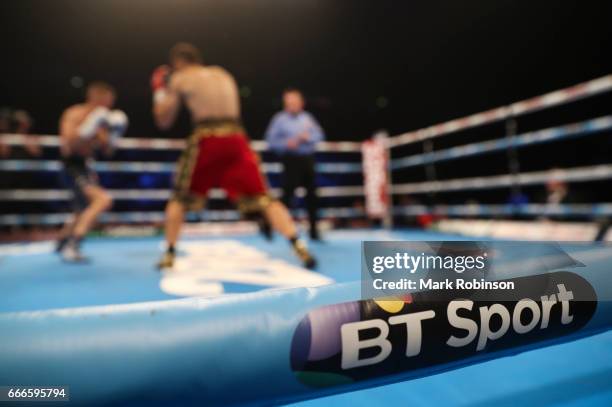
226	326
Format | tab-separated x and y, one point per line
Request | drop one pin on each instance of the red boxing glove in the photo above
159	82
160	77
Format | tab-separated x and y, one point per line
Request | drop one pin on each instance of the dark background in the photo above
363	65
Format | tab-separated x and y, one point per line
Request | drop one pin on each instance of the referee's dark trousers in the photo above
300	172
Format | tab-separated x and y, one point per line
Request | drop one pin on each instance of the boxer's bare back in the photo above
209	92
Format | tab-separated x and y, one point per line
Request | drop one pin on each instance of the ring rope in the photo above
551	134
588	209
578	174
48	140
556	98
592	210
146	217
157	194
164	167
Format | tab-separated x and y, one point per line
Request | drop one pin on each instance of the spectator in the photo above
22	124
17	122
557	193
5	126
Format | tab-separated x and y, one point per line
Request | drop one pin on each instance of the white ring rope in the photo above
148	217
551	134
579	174
159	166
48	140
588	209
158	194
556	98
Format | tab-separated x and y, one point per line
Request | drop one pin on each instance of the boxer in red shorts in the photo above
217	154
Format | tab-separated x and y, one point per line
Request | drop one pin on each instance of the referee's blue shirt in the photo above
286	126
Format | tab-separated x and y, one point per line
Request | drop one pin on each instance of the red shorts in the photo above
218	155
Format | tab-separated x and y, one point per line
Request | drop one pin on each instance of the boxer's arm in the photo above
95	120
103	141
166	103
117	124
69	123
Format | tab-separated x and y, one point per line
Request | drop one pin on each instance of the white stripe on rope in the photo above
592	210
147	217
584	128
139	167
48	140
576	92
158	194
589	209
579	174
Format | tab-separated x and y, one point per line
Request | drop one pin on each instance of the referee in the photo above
293	135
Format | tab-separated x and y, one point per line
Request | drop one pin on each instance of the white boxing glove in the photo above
117	122
92	123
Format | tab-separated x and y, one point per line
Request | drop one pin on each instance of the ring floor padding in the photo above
577	373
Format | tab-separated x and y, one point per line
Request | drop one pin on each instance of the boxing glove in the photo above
117	122
92	122
159	82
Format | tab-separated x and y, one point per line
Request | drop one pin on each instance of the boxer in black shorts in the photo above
77	176
85	128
